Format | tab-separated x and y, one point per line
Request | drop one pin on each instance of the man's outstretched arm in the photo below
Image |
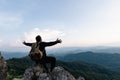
53	43
27	44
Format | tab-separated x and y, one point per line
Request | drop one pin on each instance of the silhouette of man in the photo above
45	59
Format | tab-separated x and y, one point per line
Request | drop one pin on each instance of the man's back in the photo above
45	59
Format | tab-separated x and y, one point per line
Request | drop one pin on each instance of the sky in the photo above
76	22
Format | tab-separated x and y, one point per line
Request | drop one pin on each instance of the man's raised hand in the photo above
59	40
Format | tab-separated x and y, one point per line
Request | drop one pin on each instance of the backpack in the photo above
35	53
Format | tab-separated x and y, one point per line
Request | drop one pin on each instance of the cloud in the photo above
13	46
9	43
16	45
46	34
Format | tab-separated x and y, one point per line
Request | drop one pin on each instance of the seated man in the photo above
45	59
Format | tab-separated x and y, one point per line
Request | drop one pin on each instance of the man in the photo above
45	59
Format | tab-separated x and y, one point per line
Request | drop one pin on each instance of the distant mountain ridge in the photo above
65	50
97	49
8	55
104	59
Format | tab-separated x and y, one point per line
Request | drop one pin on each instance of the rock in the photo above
17	79
60	73
81	78
33	72
37	73
3	68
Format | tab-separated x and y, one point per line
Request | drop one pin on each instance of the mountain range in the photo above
88	70
65	50
86	62
111	61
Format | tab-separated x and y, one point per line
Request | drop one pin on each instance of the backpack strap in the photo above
32	47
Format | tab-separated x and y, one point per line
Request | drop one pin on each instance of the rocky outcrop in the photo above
17	79
81	78
58	73
3	68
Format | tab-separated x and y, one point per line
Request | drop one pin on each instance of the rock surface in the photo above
3	68
81	78
58	73
17	79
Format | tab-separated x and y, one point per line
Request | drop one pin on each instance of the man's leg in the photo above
52	61
43	63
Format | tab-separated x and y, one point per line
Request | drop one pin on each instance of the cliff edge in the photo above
37	73
3	68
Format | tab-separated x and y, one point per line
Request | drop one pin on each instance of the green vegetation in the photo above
17	67
89	71
111	61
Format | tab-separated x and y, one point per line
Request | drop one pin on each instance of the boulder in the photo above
81	78
3	68
38	73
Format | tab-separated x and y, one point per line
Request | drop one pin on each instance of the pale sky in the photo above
76	22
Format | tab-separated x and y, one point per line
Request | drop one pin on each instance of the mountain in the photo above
71	50
8	55
103	49
108	60
65	50
89	71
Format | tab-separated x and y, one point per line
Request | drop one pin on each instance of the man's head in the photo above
38	38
